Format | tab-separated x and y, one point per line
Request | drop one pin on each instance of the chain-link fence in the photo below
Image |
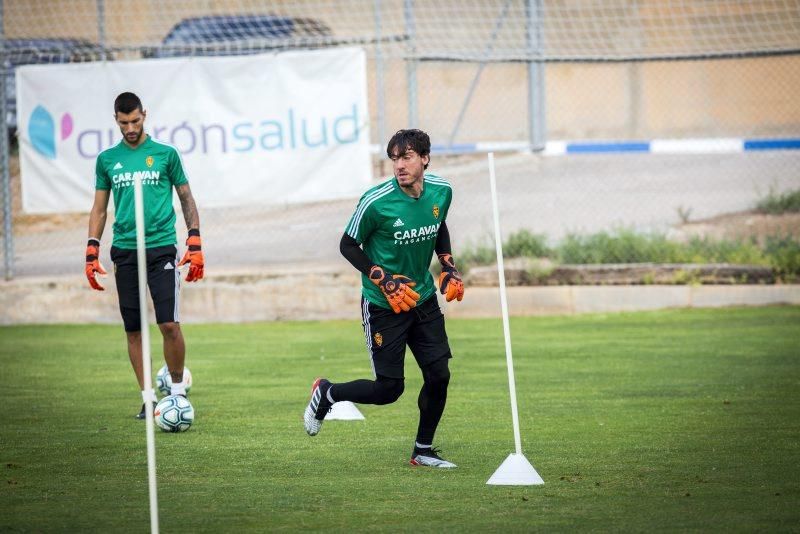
672	94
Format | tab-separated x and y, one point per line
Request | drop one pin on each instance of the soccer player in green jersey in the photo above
160	168
391	238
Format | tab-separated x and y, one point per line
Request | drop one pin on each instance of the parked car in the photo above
19	52
221	35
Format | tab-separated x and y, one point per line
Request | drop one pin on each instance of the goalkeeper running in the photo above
391	237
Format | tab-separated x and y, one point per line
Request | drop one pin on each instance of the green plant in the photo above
521	244
782	253
777	203
684	213
784	256
524	244
473	255
743	252
622	246
539	273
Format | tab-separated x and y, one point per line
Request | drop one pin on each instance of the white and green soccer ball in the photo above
174	413
164	380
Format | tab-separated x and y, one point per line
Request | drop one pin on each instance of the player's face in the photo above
409	167
131	125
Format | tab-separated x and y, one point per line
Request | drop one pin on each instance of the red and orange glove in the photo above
396	288
193	256
450	283
93	266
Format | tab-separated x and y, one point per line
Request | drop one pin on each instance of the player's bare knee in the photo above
170	330
134	338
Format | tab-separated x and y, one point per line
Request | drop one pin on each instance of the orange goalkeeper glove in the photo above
93	266
193	256
450	283
396	288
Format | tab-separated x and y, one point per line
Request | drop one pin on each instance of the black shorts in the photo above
163	279
387	334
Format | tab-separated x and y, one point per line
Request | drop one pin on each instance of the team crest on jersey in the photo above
149	161
436	211
378	338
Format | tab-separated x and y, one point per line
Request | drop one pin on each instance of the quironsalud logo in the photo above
42	131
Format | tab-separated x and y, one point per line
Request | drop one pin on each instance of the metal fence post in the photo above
411	64
8	237
101	28
379	81
536	89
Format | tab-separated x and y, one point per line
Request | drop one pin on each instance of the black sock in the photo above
431	408
432	399
381	391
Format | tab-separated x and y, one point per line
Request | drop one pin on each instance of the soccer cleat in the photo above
318	407
430	458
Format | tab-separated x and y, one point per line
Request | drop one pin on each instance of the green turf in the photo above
678	420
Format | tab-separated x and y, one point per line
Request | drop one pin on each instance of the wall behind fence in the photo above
615	70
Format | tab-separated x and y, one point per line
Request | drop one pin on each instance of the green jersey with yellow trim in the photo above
398	232
160	167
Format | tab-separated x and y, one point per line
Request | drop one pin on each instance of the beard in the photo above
134	137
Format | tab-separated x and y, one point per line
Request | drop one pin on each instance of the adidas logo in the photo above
118	166
168	266
398	222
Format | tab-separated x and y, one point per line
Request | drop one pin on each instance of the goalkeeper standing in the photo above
391	239
161	169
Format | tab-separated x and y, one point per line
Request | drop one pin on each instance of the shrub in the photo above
524	244
782	254
625	246
778	203
784	257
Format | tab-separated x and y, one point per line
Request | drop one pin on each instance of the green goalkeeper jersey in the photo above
398	232
160	167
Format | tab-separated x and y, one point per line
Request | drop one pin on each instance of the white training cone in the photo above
344	411
516	470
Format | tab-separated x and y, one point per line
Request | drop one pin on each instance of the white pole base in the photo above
516	470
344	411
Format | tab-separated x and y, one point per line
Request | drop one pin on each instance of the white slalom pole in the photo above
498	242
515	470
147	392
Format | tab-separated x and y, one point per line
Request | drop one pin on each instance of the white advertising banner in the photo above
263	129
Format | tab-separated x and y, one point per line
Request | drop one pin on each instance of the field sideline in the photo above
680	420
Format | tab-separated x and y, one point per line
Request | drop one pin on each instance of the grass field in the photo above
682	420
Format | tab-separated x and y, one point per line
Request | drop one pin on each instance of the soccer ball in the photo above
164	380
174	413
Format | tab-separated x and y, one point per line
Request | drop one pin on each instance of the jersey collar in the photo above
402	193
132	149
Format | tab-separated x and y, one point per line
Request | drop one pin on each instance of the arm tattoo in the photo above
188	206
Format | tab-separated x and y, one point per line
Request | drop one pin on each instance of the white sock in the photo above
152	396
178	389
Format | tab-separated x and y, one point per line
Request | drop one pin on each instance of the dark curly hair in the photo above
411	139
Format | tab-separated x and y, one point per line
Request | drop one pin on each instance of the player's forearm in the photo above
97	223
189	208
191	216
443	240
353	253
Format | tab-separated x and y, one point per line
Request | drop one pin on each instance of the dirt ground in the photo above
741	225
